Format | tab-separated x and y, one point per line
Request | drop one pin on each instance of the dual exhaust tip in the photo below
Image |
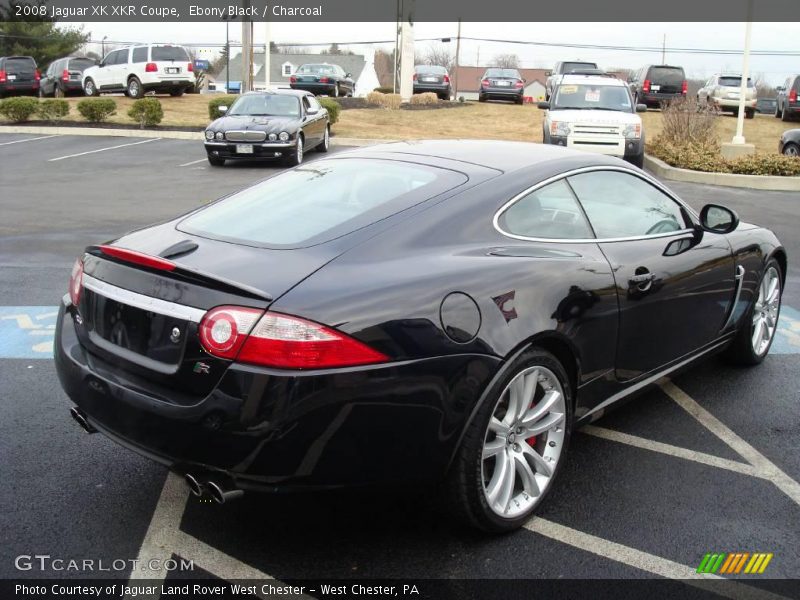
220	490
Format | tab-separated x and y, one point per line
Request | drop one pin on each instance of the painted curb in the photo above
147	133
754	182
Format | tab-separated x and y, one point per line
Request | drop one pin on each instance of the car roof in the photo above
492	154
279	92
593	79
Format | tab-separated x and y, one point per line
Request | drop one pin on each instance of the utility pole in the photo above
458	51
664	50
267	55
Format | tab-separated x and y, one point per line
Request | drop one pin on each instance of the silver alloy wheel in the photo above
326	141
299	149
766	310
791	150
89	88
523	442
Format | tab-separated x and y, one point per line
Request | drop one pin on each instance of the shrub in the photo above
147	112
18	109
334	108
53	110
684	120
426	98
385	90
391	101
706	157
215	103
375	98
96	110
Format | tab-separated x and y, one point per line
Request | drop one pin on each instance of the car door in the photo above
674	287
47	83
102	76
313	123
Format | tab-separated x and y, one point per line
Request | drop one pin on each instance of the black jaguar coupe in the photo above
409	313
278	124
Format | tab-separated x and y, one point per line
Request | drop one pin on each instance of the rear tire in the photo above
747	348
750	113
325	144
58	92
777	111
335	91
785	116
637	161
497	443
791	149
177	93
216	162
481	98
134	88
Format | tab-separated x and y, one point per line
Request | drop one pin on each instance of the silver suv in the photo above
723	90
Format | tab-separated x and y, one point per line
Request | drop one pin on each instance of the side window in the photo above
110	58
140	54
621	205
313	103
549	212
122	57
306	103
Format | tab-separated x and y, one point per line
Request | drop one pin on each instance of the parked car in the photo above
787	102
136	70
561	68
65	76
722	90
501	84
655	84
789	143
323	79
279	124
597	114
430	78
18	76
379	317
766	106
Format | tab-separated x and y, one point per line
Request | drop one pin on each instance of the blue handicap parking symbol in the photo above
27	331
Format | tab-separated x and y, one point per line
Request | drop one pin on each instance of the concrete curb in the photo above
754	182
146	133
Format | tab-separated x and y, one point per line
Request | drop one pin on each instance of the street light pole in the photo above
739	137
227	56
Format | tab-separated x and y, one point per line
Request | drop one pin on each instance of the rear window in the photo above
666	74
319	201
734	82
317	69
168	53
502	73
575	66
20	65
80	64
430	69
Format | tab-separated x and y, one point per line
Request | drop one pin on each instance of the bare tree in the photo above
506	61
440	55
763	89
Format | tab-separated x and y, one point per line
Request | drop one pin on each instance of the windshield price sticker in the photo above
592	96
568	89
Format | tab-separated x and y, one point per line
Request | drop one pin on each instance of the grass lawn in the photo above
476	120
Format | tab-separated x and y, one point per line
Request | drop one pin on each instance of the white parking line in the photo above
676	451
46	137
194	162
645	561
766	468
104	149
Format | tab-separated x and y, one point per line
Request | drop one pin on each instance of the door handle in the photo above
642	278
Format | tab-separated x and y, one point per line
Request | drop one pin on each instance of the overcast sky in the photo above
765	37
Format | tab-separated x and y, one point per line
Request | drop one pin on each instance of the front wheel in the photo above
791	149
135	89
514	446
754	339
89	88
177	93
296	157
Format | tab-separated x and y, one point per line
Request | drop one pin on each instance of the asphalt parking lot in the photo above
708	462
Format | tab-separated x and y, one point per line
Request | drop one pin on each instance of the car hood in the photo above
595	117
255	123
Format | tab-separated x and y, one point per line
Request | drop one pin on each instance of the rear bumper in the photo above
384	424
167	85
504	93
656	98
732	103
315	88
20	88
436	88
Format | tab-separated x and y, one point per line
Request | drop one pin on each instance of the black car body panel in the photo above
19	76
790	140
65	76
436	287
323	79
655	84
788	98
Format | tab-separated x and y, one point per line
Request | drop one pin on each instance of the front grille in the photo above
596	129
245	136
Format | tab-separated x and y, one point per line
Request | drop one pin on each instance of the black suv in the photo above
654	84
65	76
18	75
788	106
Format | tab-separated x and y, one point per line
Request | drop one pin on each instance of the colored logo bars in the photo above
733	563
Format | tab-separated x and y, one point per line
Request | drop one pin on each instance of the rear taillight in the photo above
324	79
151	68
137	258
485	82
684	87
292	79
65	75
280	341
76	282
190	67
2	76
414	77
447	78
793	96
646	85
518	84
37	75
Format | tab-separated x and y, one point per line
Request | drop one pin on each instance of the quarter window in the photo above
620	205
140	54
549	212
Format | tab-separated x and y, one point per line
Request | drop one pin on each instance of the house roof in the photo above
469	78
351	63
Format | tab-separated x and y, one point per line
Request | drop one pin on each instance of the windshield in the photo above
80	64
319	201
168	53
576	66
317	69
734	82
502	73
266	105
591	97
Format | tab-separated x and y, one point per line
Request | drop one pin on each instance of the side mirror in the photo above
347	75
312	111
543	105
718	219
641	108
101	64
222	109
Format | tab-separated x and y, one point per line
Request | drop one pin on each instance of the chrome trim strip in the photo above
648	380
739	285
156	305
642	176
245	135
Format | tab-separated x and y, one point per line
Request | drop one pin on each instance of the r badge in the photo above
201	367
